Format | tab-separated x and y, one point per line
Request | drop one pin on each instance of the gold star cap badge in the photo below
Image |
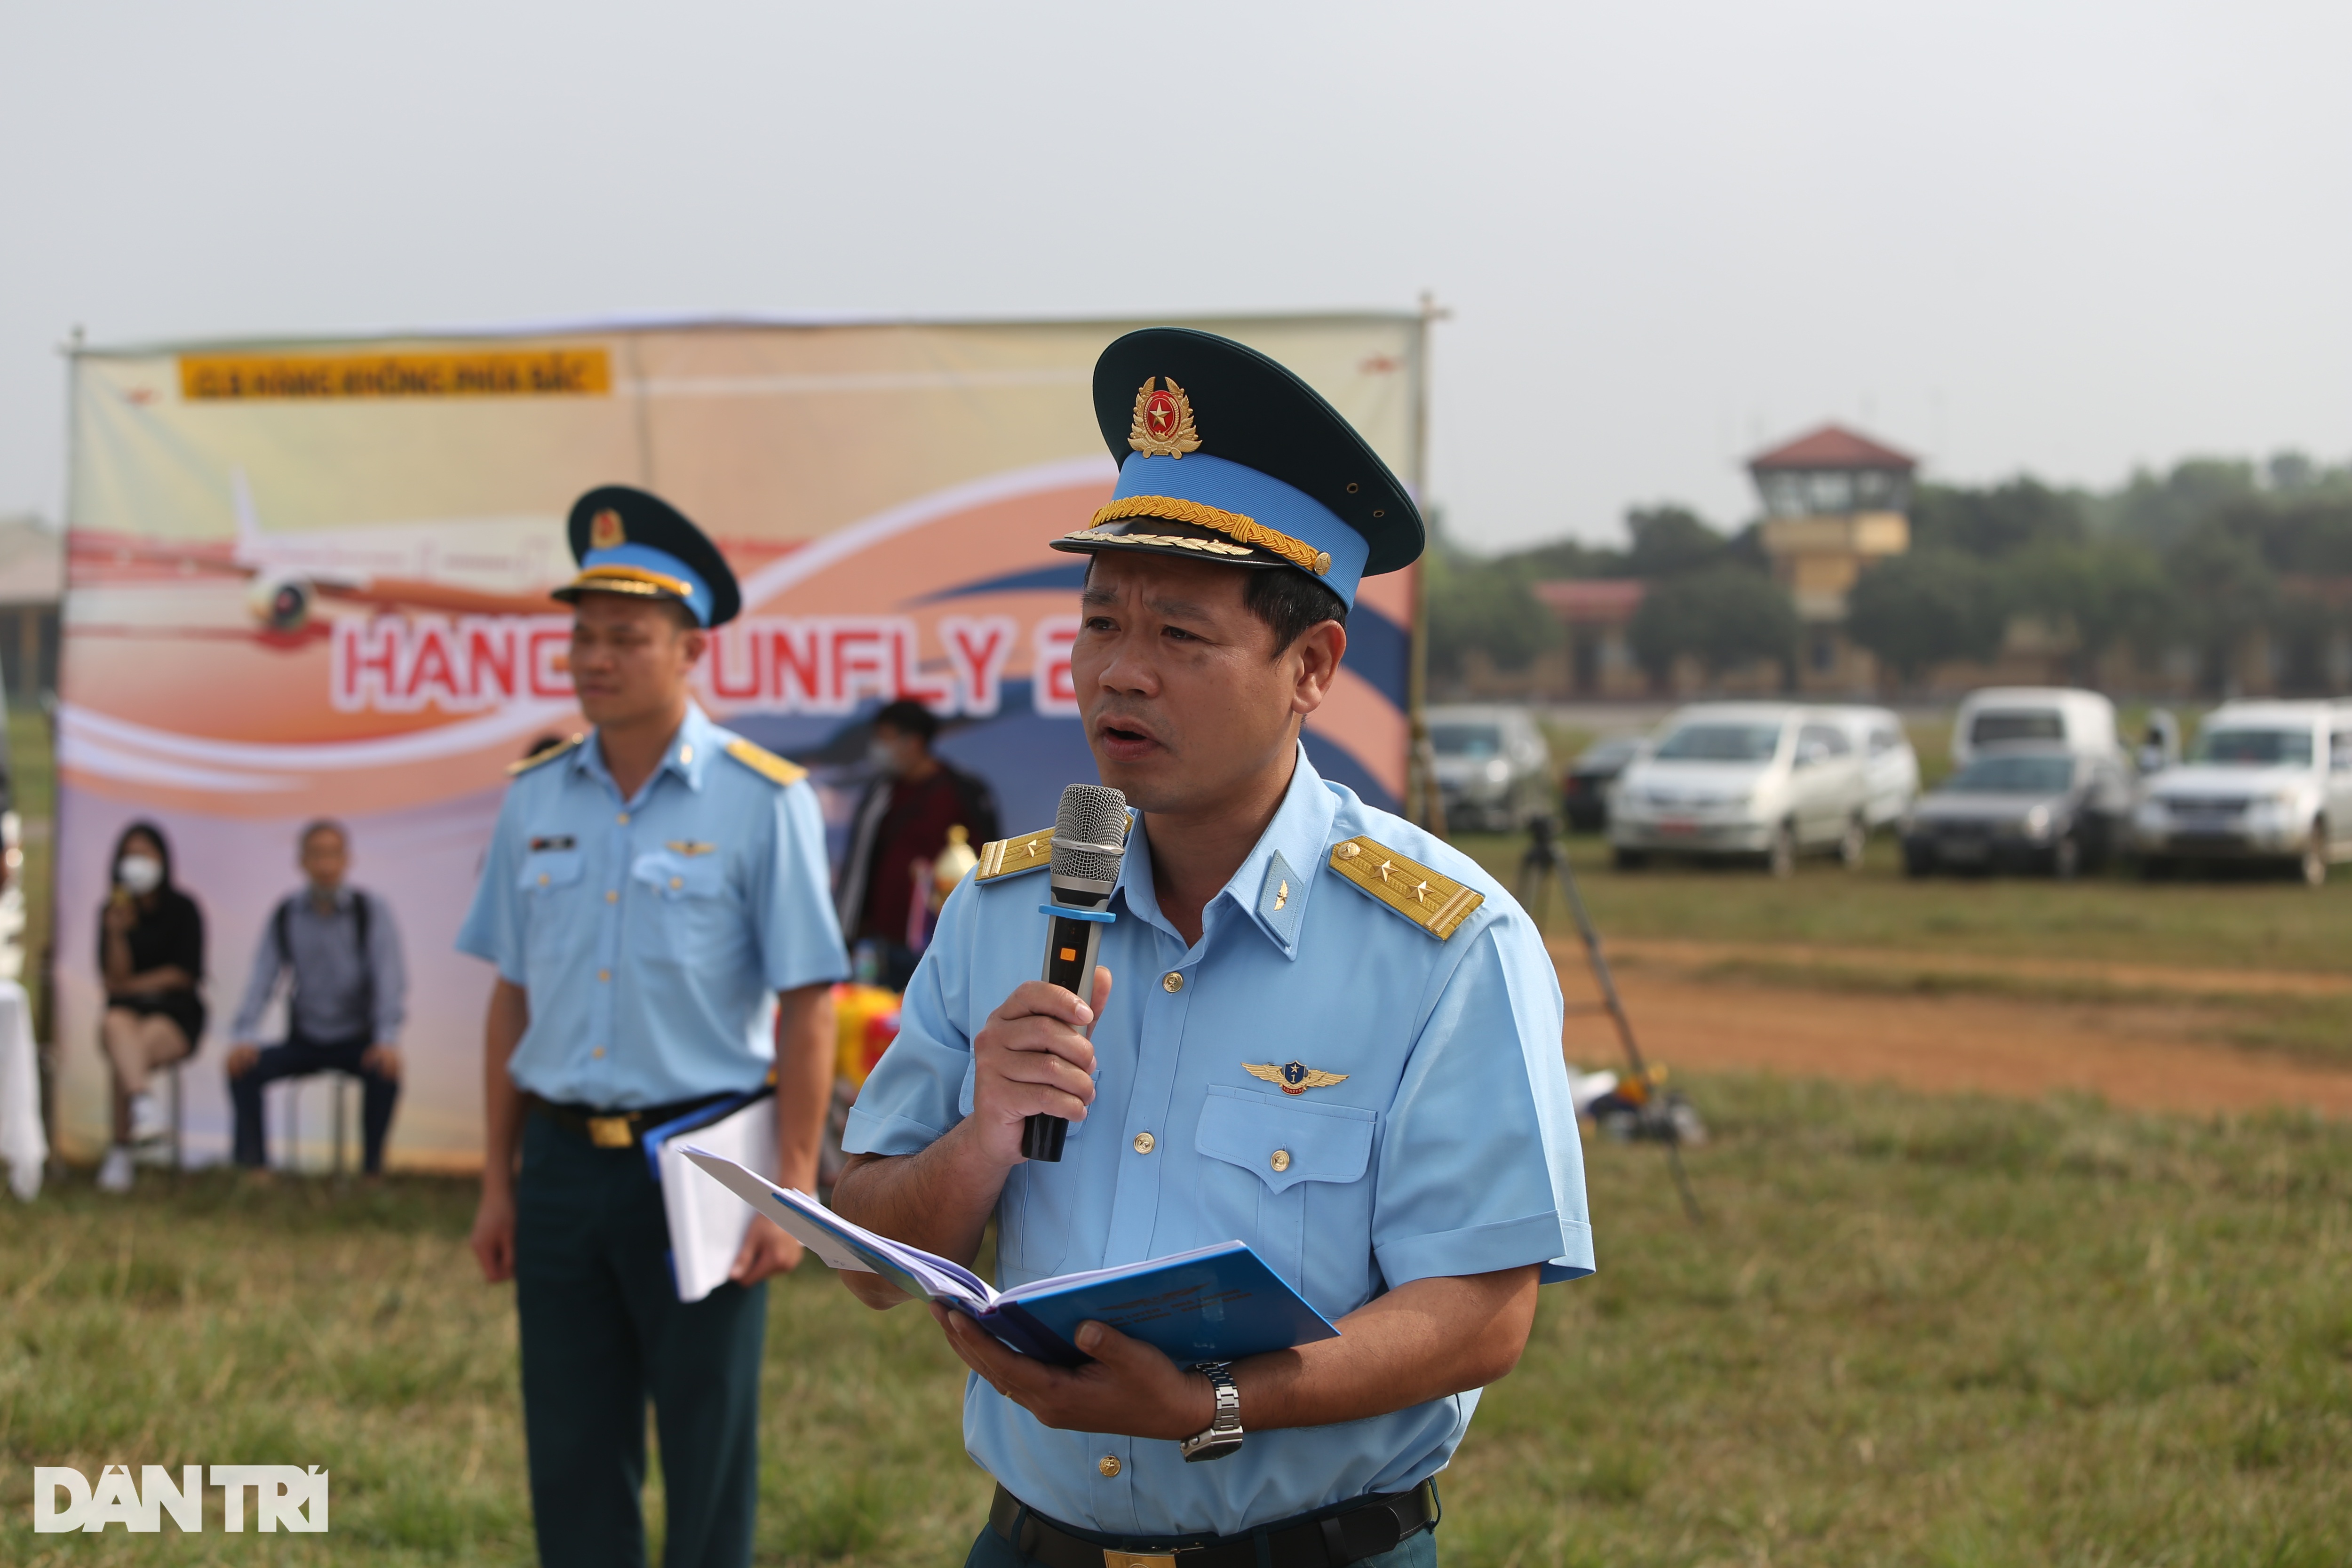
605	531
1163	420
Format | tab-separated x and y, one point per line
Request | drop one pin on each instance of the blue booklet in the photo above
1214	1303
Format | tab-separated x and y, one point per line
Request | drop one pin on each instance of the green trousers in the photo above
604	1331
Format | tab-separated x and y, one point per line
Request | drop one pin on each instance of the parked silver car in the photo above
1493	767
1760	781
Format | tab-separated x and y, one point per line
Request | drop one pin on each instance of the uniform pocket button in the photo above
1281	1161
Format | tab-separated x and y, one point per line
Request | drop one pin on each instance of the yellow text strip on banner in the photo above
541	372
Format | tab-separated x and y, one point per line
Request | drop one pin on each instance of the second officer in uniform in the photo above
650	887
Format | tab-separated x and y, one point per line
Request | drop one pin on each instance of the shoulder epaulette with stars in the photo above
1010	856
1430	899
766	764
544	754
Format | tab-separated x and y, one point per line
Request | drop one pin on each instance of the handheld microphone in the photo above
1089	841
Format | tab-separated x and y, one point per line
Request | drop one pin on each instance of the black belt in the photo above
618	1128
1329	1537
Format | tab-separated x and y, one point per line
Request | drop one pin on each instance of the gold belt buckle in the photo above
1138	1559
615	1132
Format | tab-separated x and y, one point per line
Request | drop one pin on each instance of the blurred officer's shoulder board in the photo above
1010	856
776	770
545	754
1429	899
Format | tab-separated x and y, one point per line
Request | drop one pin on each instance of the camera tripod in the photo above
1640	1106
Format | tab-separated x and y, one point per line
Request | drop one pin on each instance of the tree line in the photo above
2192	561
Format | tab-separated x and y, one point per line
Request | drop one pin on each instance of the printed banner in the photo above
312	581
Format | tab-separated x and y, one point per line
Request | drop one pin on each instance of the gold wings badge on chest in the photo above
1293	1078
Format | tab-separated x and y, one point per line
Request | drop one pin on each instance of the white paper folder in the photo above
707	1222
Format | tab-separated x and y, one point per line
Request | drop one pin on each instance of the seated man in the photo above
349	994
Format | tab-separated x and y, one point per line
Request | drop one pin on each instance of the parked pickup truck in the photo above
2266	783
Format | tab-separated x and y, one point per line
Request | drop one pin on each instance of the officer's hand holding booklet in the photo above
1214	1303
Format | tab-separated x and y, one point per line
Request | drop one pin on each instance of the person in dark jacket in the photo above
338	949
901	826
151	957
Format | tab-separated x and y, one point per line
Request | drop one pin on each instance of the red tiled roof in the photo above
1831	446
1591	601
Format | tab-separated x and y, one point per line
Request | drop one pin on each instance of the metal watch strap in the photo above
1222	1436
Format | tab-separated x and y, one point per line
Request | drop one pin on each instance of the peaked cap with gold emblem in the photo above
629	543
1226	456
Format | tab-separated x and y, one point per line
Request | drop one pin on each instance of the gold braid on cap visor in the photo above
1232	524
630	580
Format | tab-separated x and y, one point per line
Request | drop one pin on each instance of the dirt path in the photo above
2143	1057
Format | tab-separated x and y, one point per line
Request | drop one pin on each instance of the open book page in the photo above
705	1224
845	1244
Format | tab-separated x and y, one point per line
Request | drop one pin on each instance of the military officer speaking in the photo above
1315	1029
649	889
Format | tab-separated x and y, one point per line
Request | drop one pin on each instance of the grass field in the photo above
2204	923
1913	1330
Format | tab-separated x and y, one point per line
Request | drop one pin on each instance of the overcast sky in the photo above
2062	237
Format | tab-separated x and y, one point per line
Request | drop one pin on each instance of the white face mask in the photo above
141	873
884	758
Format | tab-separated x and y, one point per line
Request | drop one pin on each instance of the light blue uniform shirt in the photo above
1451	1148
653	934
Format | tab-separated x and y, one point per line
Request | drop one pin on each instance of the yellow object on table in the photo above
865	1020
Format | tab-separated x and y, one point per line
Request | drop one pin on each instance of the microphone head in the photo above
1089	841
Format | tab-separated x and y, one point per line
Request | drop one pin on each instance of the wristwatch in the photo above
1224	1435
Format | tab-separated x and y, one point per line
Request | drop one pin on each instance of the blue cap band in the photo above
1261	497
660	562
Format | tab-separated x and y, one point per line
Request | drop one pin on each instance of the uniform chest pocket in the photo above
1270	1162
1284	1145
683	913
547	871
675	877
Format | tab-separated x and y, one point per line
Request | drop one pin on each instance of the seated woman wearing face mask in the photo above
150	952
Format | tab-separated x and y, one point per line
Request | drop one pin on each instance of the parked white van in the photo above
1767	781
2081	721
2264	782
